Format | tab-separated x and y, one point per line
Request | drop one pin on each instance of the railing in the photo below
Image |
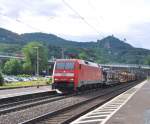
11	55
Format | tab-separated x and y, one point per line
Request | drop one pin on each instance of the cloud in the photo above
139	35
35	7
91	20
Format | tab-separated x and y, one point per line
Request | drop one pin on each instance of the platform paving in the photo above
131	107
136	110
23	91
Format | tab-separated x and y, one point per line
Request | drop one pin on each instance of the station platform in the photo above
23	91
130	107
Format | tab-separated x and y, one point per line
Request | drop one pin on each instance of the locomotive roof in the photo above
80	61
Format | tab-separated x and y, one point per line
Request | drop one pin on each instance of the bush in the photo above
24	75
1	79
49	81
12	67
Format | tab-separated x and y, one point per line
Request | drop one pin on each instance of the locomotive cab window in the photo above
65	65
60	65
69	65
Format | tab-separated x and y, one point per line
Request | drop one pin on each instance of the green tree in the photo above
30	52
83	56
27	69
147	60
1	79
12	67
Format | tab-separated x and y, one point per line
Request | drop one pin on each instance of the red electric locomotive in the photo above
74	74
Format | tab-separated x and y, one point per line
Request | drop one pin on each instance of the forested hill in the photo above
107	50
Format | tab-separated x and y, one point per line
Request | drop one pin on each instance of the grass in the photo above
27	83
148	78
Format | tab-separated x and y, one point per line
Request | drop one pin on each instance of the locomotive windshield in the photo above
65	65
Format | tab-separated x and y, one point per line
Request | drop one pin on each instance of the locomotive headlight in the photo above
56	79
71	79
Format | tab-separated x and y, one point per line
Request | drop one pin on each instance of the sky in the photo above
80	20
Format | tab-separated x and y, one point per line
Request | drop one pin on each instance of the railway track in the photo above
19	98
9	104
70	113
61	107
23	104
20	105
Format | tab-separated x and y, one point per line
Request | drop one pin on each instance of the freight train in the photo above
76	74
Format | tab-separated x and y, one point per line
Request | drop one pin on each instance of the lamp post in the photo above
37	64
37	61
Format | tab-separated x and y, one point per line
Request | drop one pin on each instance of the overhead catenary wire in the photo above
28	25
69	6
81	17
94	9
99	19
17	20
